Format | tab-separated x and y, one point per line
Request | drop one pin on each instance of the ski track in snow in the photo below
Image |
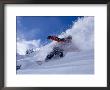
71	63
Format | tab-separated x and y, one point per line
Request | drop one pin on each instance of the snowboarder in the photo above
59	48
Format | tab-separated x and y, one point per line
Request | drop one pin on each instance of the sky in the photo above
39	27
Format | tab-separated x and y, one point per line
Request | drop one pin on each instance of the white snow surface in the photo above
72	63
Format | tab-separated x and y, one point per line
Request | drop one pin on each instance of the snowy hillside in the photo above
72	63
78	59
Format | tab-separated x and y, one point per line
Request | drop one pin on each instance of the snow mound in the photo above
82	33
72	63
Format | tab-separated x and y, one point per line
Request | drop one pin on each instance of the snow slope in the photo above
72	63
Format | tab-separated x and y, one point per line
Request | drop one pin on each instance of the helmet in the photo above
48	37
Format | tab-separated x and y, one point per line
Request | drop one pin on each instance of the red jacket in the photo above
57	39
